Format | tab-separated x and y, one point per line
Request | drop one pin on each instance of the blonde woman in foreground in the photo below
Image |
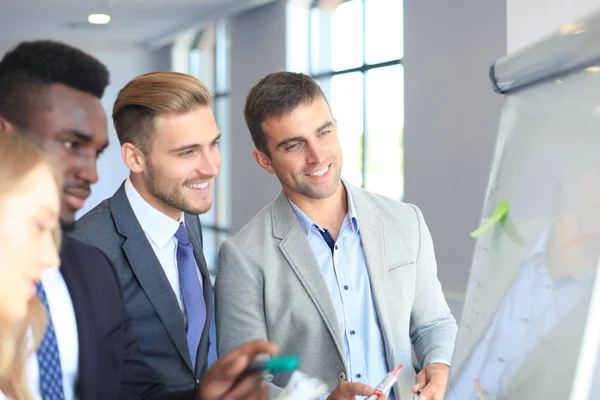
29	208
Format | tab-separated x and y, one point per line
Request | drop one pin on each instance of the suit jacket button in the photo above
342	376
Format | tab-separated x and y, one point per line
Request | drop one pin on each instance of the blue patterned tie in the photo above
48	357
191	290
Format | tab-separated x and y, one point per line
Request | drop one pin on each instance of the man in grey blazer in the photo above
149	228
342	277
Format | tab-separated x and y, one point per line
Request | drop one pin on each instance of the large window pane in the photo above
336	37
384	170
347	108
347	35
384	30
360	35
320	40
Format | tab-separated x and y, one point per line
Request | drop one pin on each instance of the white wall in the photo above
531	20
124	64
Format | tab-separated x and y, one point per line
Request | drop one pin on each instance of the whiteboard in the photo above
531	321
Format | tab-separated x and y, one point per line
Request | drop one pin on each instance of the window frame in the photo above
363	69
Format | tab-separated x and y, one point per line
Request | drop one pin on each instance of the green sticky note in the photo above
499	216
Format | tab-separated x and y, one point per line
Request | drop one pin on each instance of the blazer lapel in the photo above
86	385
195	232
149	272
372	237
297	251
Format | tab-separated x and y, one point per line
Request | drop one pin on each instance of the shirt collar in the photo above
159	227
306	222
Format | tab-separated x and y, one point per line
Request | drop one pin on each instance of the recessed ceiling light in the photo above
99	19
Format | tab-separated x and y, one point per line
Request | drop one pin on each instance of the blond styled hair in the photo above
150	95
18	158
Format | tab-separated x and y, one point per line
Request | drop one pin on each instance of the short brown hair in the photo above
149	95
277	94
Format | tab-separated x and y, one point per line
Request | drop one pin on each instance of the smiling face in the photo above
72	127
28	229
304	151
184	160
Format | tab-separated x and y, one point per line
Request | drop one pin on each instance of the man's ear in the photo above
6	126
133	158
263	160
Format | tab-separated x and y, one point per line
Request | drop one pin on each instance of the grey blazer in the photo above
270	286
158	322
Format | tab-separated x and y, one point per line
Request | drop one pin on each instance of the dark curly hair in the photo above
29	69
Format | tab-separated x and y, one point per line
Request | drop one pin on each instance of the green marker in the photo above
274	364
499	216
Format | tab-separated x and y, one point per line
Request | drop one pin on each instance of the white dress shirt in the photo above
160	230
65	326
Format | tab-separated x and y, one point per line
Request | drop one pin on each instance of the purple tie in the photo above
191	290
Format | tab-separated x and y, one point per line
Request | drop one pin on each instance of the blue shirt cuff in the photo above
441	361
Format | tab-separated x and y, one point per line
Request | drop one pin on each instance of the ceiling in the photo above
134	22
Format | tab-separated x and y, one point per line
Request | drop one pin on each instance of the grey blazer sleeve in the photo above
239	305
433	328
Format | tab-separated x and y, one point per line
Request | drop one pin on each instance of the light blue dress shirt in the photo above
346	275
531	309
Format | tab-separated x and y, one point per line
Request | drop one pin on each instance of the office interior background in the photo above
407	81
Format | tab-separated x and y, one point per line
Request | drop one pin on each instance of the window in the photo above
356	50
209	62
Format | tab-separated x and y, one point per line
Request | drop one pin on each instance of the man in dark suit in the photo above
150	229
52	91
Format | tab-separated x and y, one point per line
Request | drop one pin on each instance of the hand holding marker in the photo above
273	364
386	384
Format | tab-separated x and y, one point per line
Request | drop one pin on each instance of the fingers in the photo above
237	359
251	349
430	391
249	386
421	381
347	390
261	394
226	376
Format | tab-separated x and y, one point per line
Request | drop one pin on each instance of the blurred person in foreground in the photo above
29	208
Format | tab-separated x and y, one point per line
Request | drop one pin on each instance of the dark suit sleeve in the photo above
138	380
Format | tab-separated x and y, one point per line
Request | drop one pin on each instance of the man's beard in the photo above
173	199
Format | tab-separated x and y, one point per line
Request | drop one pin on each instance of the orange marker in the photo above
386	384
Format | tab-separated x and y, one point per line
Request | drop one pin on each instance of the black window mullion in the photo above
363	69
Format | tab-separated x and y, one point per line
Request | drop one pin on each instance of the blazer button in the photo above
342	376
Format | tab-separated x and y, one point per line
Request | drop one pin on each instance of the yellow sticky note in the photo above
499	215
